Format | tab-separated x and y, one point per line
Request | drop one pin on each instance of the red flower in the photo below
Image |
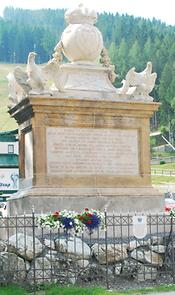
81	217
167	209
89	222
89	215
86	209
56	213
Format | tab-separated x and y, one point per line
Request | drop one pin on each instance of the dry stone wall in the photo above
72	260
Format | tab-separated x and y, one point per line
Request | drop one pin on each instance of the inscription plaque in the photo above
87	151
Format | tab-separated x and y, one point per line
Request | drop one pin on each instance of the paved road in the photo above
164	188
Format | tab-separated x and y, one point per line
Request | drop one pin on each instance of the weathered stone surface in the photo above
154	240
130	267
72	279
65	271
143	82
51	255
88	42
83	263
118	269
138	243
49	243
138	255
132	245
147	256
146	273
153	258
23	246
13	268
137	270
158	249
93	272
55	256
115	252
2	245
148	242
41	271
98	141
72	260
73	247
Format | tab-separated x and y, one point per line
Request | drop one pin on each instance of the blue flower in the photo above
67	222
93	222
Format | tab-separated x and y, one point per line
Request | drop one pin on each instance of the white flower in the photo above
54	221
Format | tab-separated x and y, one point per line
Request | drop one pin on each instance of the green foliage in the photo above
164	129
162	162
152	142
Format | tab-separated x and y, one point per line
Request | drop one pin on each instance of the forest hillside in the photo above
130	41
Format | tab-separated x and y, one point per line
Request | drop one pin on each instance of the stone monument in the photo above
83	142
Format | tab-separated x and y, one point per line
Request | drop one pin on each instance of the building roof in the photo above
9	136
9	161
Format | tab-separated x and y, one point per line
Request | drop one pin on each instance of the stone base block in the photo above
114	200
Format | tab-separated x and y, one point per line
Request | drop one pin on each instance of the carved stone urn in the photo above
82	44
81	40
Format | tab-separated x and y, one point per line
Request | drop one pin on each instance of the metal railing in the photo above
119	257
162	172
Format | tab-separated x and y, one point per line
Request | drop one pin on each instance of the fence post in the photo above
172	248
106	250
33	234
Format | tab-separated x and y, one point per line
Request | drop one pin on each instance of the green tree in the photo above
134	55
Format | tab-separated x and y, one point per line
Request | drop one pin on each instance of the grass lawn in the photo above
163	154
163	179
12	290
98	291
168	166
54	290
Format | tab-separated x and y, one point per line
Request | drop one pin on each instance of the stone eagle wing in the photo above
21	78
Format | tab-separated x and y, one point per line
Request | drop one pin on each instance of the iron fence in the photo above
132	249
162	172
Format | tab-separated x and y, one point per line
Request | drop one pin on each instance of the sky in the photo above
160	9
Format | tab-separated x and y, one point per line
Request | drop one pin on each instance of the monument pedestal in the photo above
84	153
120	200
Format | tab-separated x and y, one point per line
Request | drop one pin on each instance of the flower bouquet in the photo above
70	220
91	218
61	219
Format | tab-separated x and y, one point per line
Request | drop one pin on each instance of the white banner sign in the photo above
9	179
